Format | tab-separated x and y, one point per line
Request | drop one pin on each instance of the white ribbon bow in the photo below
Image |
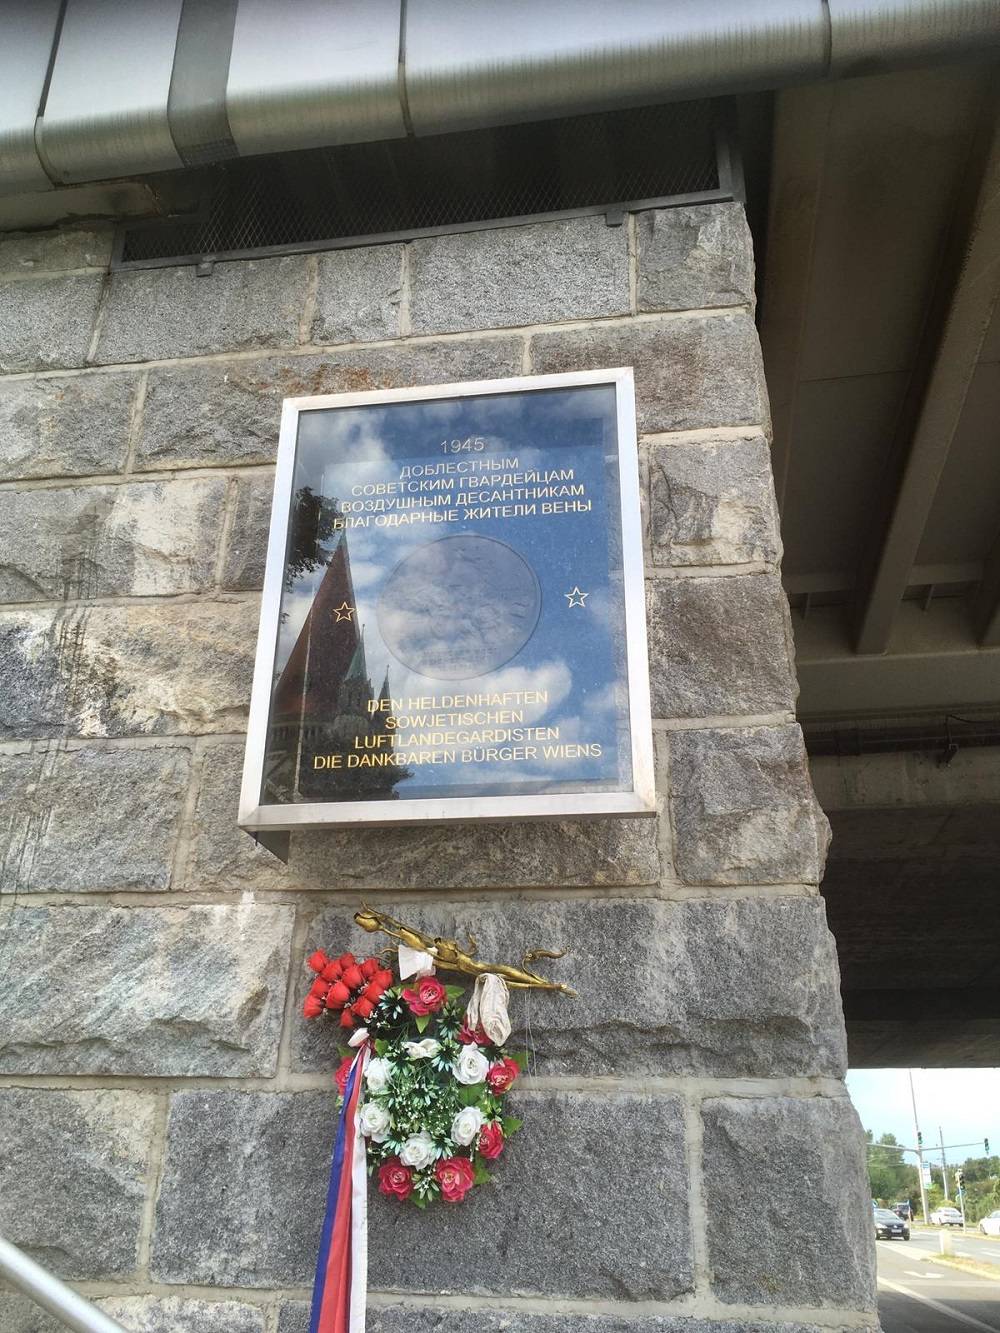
488	1007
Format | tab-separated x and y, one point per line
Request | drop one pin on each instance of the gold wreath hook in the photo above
449	957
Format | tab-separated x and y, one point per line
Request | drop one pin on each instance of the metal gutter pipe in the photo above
96	90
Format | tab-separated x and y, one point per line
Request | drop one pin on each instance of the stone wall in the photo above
690	1163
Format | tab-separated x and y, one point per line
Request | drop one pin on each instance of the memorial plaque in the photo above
453	623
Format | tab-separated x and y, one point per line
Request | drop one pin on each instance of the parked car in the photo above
890	1227
946	1217
990	1226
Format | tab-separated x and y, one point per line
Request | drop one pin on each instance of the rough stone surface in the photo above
694	258
165	312
139	540
717	646
743	809
738	988
91	819
574	269
48	322
600	852
71	1196
766	1150
171	1314
246	554
229	412
358	294
712	503
155	991
689	373
64	427
238	1204
142	1314
293	1317
127	670
53	251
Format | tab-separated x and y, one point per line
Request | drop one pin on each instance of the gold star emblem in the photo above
576	598
343	612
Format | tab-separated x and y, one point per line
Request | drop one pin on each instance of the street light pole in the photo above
920	1151
944	1161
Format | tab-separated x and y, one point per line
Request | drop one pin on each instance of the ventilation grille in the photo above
329	197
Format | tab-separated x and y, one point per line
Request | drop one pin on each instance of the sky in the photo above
965	1103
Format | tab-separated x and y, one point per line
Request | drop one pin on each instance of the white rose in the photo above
377	1075
374	1121
466	1125
471	1065
418	1151
421	1050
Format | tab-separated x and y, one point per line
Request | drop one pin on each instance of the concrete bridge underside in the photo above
911	892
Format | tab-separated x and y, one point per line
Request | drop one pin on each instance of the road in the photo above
919	1297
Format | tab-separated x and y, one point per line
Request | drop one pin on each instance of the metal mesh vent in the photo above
322	198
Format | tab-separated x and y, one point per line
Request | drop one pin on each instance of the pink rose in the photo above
429	996
472	1036
454	1175
499	1077
395	1179
491	1141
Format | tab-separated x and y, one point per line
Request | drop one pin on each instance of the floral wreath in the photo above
433	1086
421	1097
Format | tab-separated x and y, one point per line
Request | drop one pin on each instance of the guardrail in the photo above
38	1284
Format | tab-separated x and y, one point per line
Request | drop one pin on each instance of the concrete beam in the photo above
970	309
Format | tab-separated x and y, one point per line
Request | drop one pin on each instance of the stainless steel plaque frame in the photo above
270	821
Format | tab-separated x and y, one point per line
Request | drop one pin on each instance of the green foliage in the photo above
890	1177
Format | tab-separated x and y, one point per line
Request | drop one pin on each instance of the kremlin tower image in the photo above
319	710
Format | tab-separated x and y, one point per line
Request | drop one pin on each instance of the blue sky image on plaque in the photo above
451	625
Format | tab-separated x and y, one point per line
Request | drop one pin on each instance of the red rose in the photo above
338	995
313	1006
429	996
499	1077
395	1179
319	988
346	1019
491	1141
363	1008
317	960
455	1177
472	1036
352	978
346	960
373	991
343	1073
331	972
368	968
384	978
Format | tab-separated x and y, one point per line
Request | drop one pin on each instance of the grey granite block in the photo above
782	1158
172	312
538	274
743	808
72	1194
91	819
690	373
138	540
155	991
719	647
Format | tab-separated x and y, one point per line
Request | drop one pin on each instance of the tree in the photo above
890	1178
310	534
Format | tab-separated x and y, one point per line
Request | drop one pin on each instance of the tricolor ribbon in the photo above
341	1287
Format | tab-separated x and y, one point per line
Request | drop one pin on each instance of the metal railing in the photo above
63	1302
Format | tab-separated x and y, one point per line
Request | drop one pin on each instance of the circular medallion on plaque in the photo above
459	607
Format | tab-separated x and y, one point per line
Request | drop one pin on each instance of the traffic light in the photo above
960	1178
920	1139
986	1145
